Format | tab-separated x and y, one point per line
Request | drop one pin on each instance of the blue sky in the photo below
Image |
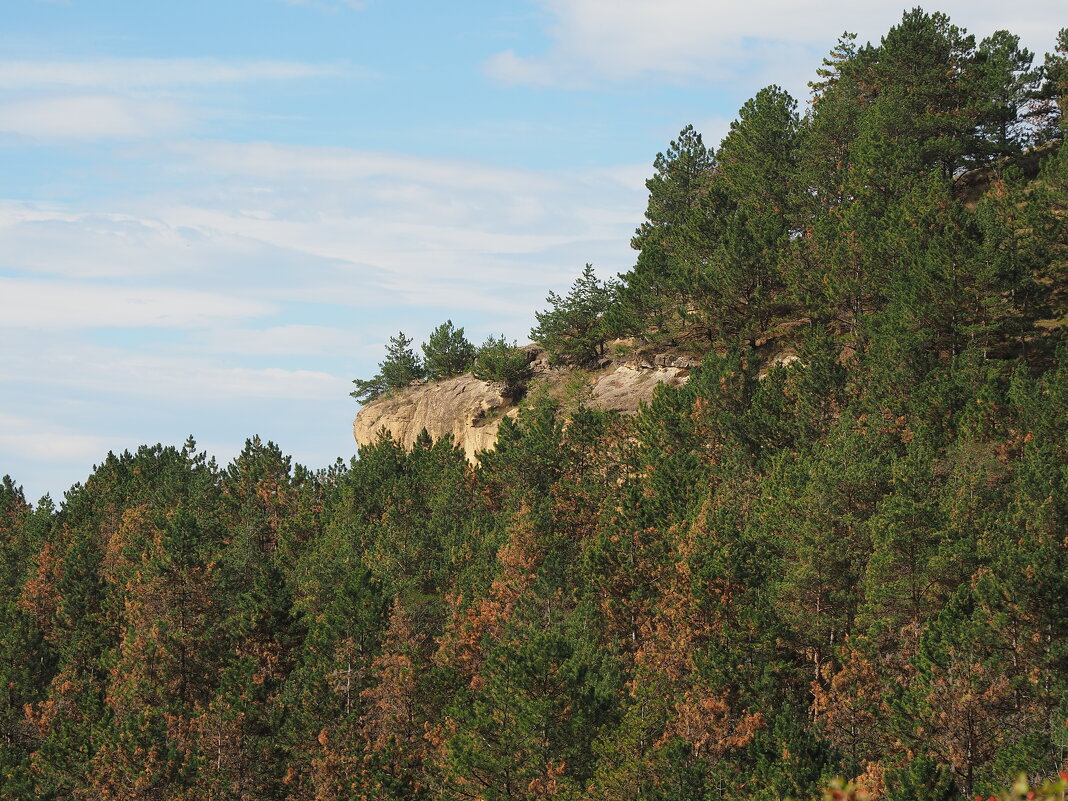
213	214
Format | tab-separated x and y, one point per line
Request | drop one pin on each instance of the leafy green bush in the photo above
503	362
447	352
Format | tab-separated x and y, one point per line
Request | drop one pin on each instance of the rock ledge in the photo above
471	410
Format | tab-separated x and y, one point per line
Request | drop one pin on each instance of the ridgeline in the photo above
837	549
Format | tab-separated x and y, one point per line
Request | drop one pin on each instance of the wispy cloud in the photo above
593	41
298	340
92	117
118	74
271	161
130	98
44	441
277	224
509	68
59	305
416	228
170	378
89	244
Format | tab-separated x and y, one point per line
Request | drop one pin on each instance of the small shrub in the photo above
505	363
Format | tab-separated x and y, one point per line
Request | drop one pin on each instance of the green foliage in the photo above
447	352
503	362
28	662
1052	111
575	328
837	550
399	369
654	295
920	778
749	222
1008	83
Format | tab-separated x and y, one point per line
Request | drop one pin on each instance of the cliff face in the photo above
629	385
471	410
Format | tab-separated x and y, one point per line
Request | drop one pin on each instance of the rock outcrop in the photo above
627	386
471	410
468	409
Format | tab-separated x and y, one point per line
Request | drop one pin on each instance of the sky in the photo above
215	213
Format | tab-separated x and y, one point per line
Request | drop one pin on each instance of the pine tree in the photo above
26	661
751	217
399	369
1006	84
576	327
1050	109
447	352
656	292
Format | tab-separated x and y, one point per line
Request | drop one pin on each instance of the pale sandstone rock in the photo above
471	410
626	387
782	359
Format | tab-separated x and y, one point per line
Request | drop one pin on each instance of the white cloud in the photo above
90	117
254	229
66	368
683	40
123	74
45	441
417	190
271	162
125	98
302	340
509	68
365	228
73	243
26	303
192	379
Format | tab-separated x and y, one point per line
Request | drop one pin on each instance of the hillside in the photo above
836	549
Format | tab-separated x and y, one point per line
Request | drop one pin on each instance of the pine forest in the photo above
839	575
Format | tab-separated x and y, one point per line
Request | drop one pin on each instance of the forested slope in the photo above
854	566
